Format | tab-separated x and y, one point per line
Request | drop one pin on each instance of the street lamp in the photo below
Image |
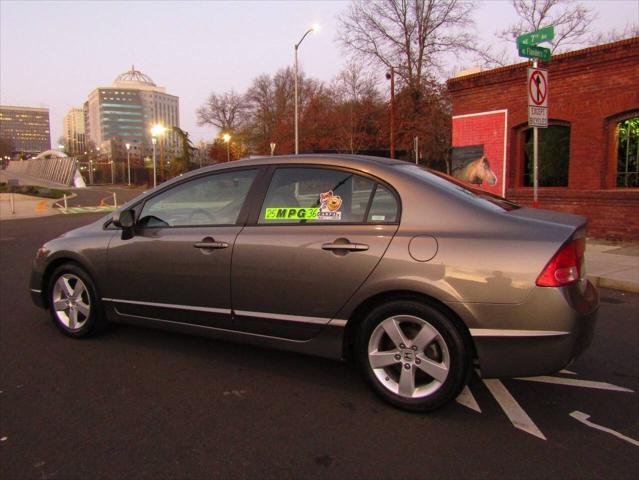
155	131
390	75
314	28
128	160
227	139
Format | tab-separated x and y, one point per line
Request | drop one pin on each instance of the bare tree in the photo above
223	111
409	35
571	19
629	31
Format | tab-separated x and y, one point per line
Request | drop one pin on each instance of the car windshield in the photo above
454	185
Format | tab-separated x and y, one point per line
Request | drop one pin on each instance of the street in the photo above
138	403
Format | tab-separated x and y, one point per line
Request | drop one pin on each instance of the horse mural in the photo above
476	172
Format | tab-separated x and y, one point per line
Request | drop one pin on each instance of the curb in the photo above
614	284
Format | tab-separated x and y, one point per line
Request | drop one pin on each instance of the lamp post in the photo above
314	28
391	76
227	139
128	161
155	131
154	140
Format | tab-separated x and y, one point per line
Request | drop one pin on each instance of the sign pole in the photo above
535	159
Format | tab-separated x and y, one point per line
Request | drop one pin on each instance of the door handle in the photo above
211	245
351	247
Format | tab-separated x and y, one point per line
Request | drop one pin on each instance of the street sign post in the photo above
537	89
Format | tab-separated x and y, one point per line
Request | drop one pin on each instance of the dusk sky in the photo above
53	54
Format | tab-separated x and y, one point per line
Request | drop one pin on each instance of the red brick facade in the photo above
591	90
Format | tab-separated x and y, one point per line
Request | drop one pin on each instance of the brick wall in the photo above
590	89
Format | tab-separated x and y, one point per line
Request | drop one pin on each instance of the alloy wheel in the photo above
71	301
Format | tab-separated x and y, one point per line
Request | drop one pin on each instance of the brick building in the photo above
588	155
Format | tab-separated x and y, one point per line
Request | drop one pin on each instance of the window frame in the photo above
254	215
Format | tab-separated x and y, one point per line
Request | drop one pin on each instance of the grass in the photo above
33	190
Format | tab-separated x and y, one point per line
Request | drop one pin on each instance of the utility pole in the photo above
391	76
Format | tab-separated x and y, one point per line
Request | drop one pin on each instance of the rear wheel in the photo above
413	355
74	305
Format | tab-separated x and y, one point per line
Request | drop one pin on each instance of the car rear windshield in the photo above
481	197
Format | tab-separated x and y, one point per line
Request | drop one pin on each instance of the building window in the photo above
553	156
628	153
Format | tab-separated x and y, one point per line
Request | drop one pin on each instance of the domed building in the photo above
124	113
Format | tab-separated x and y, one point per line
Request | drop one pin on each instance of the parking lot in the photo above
138	403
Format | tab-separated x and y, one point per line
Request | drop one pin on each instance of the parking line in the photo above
512	409
583	418
467	399
576	383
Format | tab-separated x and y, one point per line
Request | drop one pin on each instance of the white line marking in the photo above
572	382
567	372
511	408
583	418
467	399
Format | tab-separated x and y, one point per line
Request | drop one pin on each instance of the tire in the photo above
413	355
74	306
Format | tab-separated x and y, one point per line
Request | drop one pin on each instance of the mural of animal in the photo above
477	172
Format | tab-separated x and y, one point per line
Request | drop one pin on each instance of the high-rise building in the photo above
126	111
74	132
25	130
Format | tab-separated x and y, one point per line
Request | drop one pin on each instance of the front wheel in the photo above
73	302
413	355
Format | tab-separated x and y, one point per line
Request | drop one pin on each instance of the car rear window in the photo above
460	189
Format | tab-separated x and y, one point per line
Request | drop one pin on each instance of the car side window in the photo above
316	195
211	200
384	206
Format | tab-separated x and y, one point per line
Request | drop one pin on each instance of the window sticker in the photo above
329	206
291	213
378	218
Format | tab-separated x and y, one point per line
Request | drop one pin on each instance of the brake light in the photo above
566	267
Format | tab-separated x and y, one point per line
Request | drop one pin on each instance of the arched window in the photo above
628	152
553	156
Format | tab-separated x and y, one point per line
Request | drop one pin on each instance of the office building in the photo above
126	111
24	131
74	132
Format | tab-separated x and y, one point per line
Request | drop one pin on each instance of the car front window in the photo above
211	200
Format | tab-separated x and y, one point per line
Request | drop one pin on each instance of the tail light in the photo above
566	267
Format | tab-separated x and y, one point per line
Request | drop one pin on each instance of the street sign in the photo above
545	34
533	51
537	87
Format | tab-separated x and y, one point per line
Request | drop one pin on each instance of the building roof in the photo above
134	76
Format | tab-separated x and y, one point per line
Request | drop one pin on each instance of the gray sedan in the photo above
415	276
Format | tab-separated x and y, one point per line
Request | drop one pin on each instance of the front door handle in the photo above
210	244
350	247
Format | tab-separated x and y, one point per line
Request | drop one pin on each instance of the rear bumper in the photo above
537	337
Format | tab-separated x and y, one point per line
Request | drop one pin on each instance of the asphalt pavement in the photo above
137	403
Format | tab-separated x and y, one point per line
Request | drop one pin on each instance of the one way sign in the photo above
537	97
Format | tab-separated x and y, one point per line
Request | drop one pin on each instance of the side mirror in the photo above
124	219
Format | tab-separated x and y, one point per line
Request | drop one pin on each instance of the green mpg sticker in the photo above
286	213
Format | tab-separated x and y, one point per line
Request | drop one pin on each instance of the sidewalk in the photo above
26	206
613	266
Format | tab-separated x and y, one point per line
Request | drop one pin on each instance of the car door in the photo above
175	265
318	235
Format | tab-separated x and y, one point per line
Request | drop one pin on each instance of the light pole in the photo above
314	28
391	76
227	139
128	161
154	140
155	131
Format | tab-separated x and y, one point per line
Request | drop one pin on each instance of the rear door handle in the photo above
351	247
211	245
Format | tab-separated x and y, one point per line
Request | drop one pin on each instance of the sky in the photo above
54	53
